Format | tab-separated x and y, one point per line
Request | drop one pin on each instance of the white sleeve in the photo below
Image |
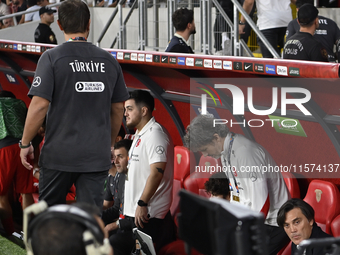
255	188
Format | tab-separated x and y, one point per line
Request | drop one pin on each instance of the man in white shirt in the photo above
273	19
34	16
148	185
243	162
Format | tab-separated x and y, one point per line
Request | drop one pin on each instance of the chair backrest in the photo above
208	166
184	163
195	184
324	197
292	184
335	226
287	250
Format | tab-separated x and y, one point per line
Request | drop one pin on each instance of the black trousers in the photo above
275	37
162	232
54	186
277	239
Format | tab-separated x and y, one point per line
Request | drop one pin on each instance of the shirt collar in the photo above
181	37
146	127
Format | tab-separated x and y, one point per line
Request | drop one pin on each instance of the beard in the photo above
193	31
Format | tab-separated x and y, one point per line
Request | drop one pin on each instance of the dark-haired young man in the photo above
148	188
183	21
303	45
218	186
328	32
297	219
81	89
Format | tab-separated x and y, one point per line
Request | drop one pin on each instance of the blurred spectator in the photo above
44	33
18	6
4	9
34	5
4	23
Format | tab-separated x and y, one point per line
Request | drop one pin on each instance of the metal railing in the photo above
13	15
238	7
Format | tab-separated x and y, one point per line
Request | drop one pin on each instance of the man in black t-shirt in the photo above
44	33
328	33
302	45
81	89
183	20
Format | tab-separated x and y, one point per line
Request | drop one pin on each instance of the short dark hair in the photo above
143	98
181	18
30	3
62	234
74	16
51	238
125	143
6	93
299	3
306	210
218	184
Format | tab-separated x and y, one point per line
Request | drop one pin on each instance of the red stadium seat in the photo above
176	248
292	184
208	165
182	168
335	226
324	197
195	184
287	250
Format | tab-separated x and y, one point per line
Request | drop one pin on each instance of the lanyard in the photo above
229	152
77	39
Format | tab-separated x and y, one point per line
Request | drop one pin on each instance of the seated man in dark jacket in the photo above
297	219
113	217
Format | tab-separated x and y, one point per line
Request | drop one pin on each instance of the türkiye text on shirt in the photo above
87	67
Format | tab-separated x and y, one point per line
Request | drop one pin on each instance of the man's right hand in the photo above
241	29
24	153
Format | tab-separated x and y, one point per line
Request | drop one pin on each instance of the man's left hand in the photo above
141	216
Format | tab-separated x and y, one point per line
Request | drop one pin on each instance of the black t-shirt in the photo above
327	34
81	81
303	46
178	45
21	8
44	34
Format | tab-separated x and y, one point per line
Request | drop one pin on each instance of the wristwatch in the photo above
24	146
241	23
142	203
117	223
